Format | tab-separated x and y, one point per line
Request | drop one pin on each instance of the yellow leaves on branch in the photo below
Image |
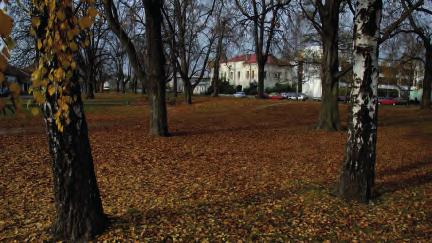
58	45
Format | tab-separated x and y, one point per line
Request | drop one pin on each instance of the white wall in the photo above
240	73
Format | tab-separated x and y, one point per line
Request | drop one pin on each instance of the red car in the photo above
386	101
275	96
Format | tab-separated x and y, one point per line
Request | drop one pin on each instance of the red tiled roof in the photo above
251	58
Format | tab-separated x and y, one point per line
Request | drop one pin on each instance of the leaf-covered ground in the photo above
234	170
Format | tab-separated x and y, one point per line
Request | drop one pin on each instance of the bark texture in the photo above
358	170
427	79
77	200
155	68
329	110
216	64
79	212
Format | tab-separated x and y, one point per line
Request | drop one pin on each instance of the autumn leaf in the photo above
39	44
61	15
35	22
35	111
85	22
14	89
51	90
3	63
92	12
6	24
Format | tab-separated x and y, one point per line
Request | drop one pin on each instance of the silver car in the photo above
240	94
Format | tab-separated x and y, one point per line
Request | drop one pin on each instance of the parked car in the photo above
401	101
240	94
4	92
343	98
386	101
287	94
275	96
266	96
299	96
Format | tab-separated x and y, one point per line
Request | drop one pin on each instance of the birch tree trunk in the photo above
79	211
77	199
358	170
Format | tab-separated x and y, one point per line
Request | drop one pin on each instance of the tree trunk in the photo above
300	75
329	110
216	78
91	87
79	212
188	91
261	77
358	170
156	73
77	200
427	80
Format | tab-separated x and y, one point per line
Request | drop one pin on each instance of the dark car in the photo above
275	96
343	98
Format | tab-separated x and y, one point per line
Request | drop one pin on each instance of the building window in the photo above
253	74
265	74
238	74
247	74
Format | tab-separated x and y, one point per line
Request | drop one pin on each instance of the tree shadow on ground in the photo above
417	179
155	218
205	131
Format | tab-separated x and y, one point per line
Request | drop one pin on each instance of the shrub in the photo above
224	88
279	88
252	89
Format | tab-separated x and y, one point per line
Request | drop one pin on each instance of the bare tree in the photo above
192	37
155	80
264	16
420	25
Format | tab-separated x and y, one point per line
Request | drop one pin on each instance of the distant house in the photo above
201	88
17	75
242	70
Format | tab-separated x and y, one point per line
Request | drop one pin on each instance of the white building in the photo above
243	70
312	86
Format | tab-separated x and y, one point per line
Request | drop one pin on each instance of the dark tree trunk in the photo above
216	78
175	83
358	171
135	85
188	91
156	73
90	90
427	80
77	200
174	65
118	86
261	78
300	69
329	110
79	212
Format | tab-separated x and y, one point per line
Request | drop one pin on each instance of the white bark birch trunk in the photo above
358	171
